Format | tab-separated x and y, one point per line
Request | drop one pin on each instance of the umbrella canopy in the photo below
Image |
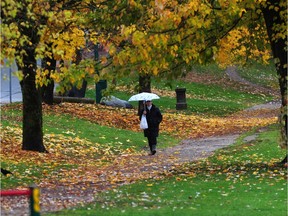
144	96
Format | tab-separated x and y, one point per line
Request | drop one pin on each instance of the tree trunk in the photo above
74	91
272	19
32	105
144	86
32	134
48	90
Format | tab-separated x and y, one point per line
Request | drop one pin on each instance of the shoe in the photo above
153	152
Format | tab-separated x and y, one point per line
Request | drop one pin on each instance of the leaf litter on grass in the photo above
175	124
82	164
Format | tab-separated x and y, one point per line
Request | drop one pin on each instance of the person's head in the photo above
148	102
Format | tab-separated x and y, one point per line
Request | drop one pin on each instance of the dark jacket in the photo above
154	117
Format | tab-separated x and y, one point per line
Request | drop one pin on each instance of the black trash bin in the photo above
181	98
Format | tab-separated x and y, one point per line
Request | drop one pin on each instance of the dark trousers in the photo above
152	141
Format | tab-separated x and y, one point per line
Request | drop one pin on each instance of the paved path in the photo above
233	75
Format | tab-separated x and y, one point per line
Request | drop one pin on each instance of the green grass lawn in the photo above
207	99
68	126
239	180
243	179
264	75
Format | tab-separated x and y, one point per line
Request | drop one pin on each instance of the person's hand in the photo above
144	112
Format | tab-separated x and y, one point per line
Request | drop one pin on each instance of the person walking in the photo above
154	118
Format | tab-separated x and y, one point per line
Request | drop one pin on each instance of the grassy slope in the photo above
264	75
240	180
205	193
203	96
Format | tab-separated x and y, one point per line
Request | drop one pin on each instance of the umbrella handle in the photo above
144	105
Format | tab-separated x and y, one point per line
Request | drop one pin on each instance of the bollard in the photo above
33	193
34	201
181	98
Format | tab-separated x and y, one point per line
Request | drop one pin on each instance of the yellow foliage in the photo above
233	48
155	71
90	70
112	49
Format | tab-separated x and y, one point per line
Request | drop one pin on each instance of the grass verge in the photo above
202	98
243	179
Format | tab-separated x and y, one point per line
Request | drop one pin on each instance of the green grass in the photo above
190	197
211	69
209	105
264	75
239	180
206	99
69	126
30	173
210	100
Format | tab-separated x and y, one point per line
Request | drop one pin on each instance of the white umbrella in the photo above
144	96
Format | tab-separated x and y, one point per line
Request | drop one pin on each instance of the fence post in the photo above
34	201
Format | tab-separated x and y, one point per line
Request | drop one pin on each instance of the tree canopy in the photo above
165	38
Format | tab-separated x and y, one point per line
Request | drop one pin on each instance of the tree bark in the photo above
272	18
32	105
48	90
144	86
32	134
279	49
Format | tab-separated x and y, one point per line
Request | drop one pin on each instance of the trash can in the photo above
101	85
181	98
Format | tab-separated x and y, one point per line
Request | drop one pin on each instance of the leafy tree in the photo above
166	38
38	29
21	28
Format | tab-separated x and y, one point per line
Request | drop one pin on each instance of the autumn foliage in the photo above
76	162
175	124
179	125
